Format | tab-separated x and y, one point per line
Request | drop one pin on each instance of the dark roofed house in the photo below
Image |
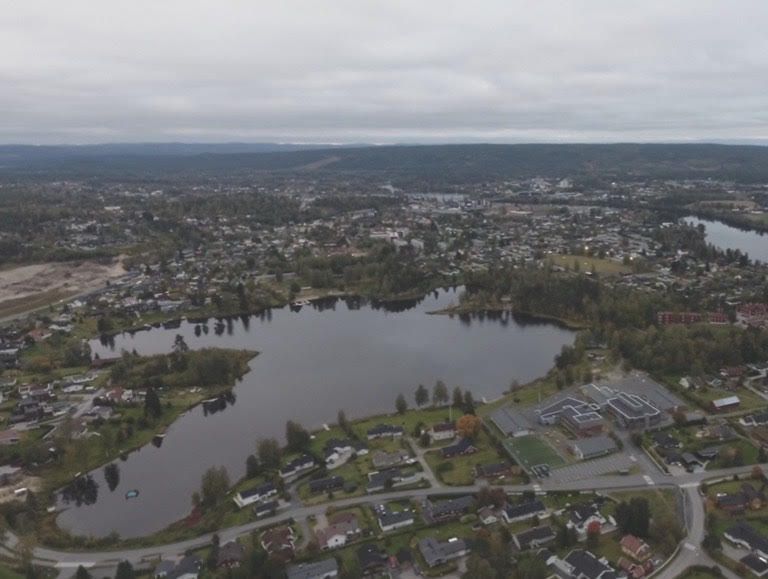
586	565
266	509
523	511
231	555
297	466
461	448
440	552
745	535
756	564
389	520
534	538
188	567
255	494
324	485
666	441
493	470
385	431
448	509
325	569
370	558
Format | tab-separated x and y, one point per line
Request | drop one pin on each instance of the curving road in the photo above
689	553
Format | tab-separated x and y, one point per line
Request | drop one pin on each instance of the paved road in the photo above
688	482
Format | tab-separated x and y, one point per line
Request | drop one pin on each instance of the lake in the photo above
724	236
336	354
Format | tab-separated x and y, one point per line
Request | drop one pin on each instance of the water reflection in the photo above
82	491
335	353
112	476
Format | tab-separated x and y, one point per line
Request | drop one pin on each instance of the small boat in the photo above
132	494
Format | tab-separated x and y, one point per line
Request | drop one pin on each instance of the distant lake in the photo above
335	354
724	236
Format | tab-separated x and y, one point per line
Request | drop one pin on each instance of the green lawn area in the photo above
460	471
748	452
412	418
530	451
749	400
697	573
587	264
7	573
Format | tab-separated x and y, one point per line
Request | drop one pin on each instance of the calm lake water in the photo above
724	236
346	354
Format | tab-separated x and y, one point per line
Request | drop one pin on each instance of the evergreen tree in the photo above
152	406
125	571
400	404
422	395
440	393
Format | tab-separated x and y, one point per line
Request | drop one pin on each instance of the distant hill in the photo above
446	163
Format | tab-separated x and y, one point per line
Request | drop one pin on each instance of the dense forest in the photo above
440	163
623	319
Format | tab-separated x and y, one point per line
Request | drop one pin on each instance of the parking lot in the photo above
592	468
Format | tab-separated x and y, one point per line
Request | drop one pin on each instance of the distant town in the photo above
640	452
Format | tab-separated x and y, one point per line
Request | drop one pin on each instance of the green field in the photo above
530	451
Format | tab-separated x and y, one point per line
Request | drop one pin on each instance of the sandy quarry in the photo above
71	277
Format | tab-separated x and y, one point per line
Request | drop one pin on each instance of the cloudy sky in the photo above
85	71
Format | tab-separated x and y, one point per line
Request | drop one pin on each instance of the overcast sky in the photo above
85	71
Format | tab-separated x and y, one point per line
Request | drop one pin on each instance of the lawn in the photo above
460	471
748	451
530	451
697	573
587	264
7	573
749	400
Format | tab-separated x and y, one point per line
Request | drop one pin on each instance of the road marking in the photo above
65	565
689	485
648	480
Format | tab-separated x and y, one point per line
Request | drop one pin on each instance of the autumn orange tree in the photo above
468	426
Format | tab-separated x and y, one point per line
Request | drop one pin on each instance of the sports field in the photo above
530	451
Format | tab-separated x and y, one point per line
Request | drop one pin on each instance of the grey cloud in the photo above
382	70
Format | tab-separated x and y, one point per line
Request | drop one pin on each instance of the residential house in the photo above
325	569
461	448
449	509
393	477
524	511
390	521
635	547
342	528
370	558
385	431
583	515
745	535
442	431
255	495
279	542
324	485
494	470
382	459
487	515
265	509
534	538
440	552
230	555
297	466
187	568
586	565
